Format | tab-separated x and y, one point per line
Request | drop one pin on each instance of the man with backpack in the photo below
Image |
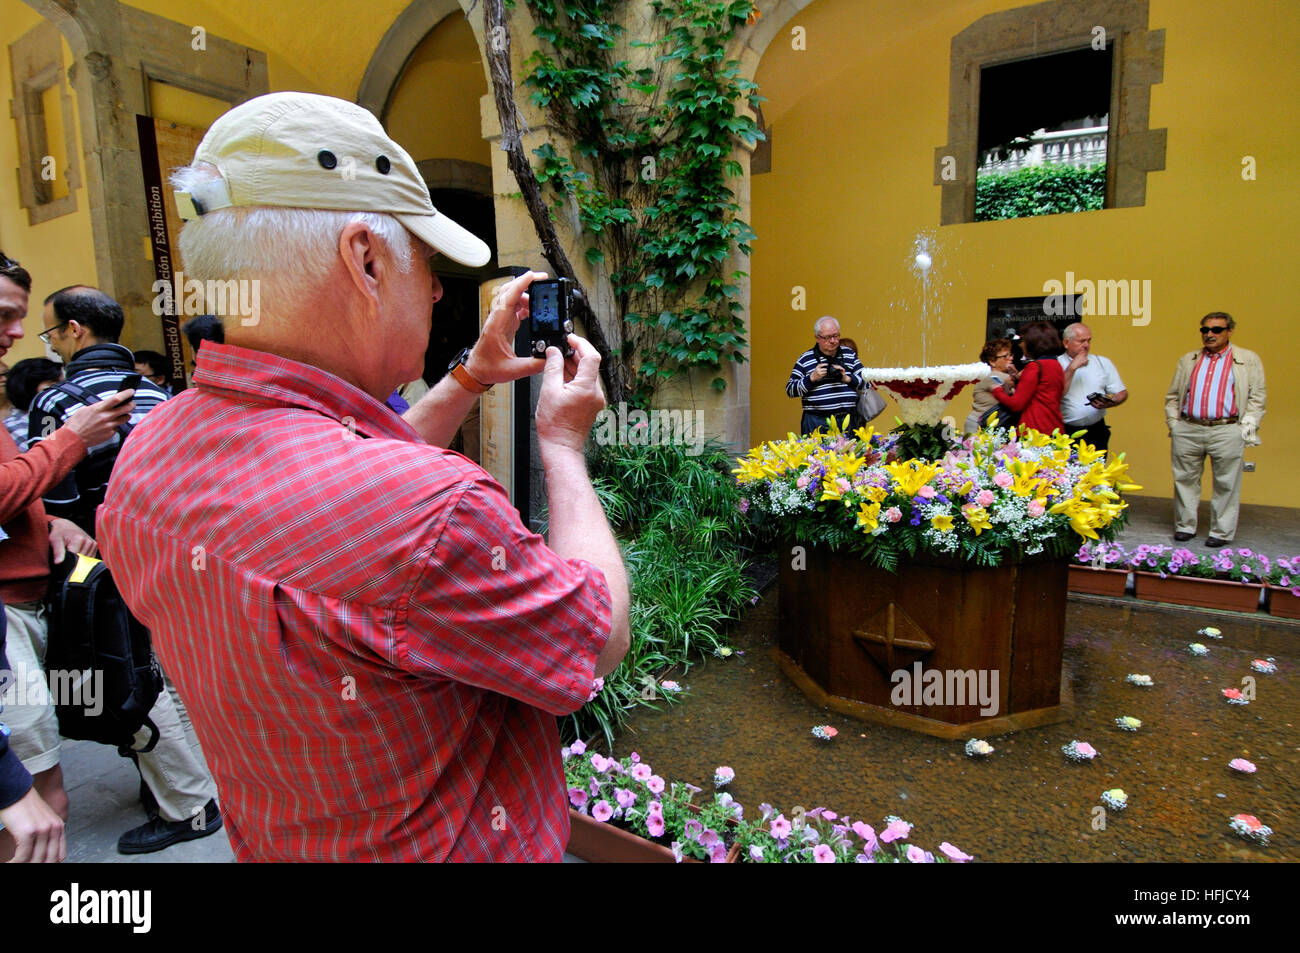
82	326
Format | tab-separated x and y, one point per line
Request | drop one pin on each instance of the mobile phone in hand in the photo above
549	318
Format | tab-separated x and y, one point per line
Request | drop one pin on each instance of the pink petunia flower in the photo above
823	855
577	748
642	772
781	827
718	853
577	797
954	854
868	835
917	856
898	829
756	854
596	689
710	838
656	807
693	829
600	763
654	823
624	797
655	784
602	810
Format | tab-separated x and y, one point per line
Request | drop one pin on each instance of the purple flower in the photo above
917	856
594	787
655	784
718	853
823	855
602	810
600	763
642	772
624	797
781	827
709	838
756	854
654	823
577	797
897	829
693	829
677	852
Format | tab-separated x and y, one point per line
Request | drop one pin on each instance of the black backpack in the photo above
92	630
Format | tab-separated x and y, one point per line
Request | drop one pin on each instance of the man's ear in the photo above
360	251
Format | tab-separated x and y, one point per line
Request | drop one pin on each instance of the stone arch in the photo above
394	51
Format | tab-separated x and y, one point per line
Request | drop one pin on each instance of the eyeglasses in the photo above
45	335
1218	330
828	337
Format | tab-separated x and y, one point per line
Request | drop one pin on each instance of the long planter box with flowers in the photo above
1200	593
1098	582
1283	603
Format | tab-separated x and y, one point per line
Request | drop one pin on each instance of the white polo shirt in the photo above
1097	376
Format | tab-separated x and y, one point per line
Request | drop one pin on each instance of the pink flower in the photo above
917	856
868	835
577	748
655	784
756	854
693	829
723	775
744	505
954	854
710	838
985	497
926	493
718	853
1242	765
593	786
843	484
897	829
823	855
893	514
602	810
642	772
654	823
781	827
595	689
801	483
577	797
634	757
830	815
1035	508
600	763
656	808
1003	479
624	797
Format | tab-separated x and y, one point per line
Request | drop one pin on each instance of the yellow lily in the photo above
911	475
869	516
942	523
978	517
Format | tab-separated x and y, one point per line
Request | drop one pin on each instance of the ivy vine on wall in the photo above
647	128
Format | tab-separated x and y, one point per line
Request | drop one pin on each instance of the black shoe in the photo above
159	833
1183	537
1215	543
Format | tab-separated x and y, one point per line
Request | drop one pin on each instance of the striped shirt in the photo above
371	645
99	369
1210	394
825	396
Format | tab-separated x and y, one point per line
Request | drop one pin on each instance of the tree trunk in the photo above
497	50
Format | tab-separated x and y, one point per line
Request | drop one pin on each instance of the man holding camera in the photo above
370	643
827	378
1092	386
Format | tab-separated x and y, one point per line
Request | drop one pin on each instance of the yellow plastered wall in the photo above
434	111
856	118
58	252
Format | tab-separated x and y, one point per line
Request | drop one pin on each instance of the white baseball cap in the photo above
301	150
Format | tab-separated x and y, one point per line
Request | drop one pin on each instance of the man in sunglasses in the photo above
1213	409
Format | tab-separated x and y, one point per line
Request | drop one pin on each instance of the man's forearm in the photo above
579	530
438	414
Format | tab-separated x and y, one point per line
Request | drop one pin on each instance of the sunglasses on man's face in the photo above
1218	330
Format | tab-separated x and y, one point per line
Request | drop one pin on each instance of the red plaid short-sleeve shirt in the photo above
371	645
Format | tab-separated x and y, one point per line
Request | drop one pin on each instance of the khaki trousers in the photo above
1190	444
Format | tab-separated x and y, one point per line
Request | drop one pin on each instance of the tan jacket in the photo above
1247	385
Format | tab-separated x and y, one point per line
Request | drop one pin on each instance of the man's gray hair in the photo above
1072	331
817	325
290	250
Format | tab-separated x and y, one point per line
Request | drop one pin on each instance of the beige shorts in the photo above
28	708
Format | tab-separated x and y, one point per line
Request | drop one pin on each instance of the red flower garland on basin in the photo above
921	389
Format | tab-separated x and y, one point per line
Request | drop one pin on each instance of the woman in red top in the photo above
1038	392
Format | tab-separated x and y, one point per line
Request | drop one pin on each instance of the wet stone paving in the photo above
1025	801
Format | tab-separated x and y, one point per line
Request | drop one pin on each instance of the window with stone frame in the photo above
1017	47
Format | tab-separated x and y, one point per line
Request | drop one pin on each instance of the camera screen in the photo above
543	302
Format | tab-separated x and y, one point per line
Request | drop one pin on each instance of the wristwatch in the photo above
464	377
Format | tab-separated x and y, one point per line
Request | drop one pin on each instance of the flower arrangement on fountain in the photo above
993	498
922	392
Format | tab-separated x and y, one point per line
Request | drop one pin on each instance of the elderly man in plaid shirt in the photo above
371	645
